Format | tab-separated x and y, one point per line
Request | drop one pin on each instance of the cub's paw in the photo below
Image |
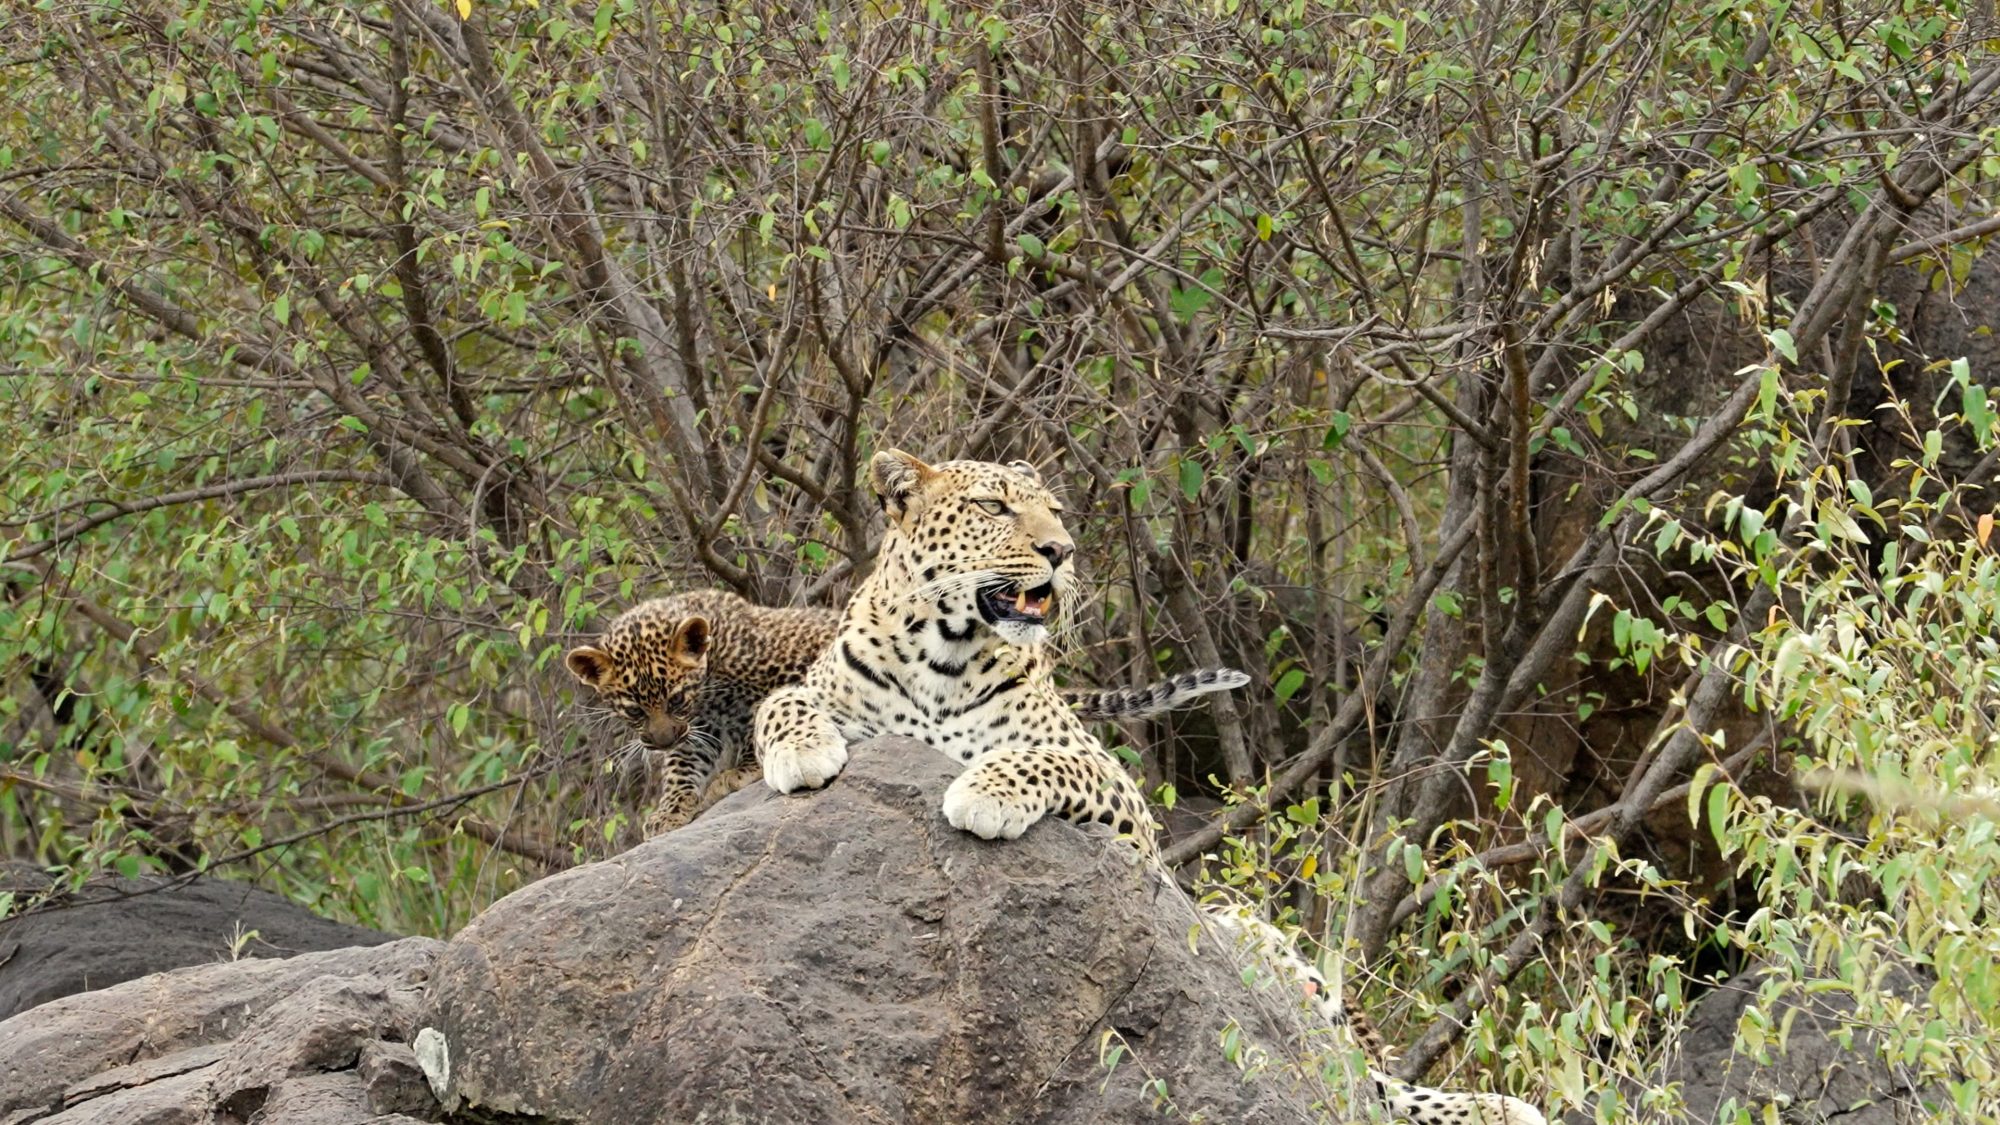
672	812
972	805
792	766
729	781
663	821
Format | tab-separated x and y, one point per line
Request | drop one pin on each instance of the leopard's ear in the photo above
588	665
899	480
690	642
1033	474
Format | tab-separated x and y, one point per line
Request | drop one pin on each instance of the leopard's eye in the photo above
633	712
993	507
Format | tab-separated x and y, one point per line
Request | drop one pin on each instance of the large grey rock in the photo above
123	929
848	956
276	1042
1827	1070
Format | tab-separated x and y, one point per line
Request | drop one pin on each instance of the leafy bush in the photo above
1554	404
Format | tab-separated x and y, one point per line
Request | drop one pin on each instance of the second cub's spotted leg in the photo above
684	771
798	744
729	781
1006	791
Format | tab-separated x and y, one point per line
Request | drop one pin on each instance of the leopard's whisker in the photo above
953	583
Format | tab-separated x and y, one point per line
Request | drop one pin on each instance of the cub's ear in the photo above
588	665
690	641
899	478
1033	474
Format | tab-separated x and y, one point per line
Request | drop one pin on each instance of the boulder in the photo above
315	1039
1827	1070
123	929
847	956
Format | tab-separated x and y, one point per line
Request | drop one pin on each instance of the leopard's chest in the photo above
964	705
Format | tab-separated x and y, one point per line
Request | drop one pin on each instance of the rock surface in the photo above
847	956
302	1041
126	928
1815	1079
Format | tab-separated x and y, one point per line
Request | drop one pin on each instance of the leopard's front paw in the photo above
792	766
977	803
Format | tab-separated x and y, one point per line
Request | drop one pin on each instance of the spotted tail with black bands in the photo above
1155	698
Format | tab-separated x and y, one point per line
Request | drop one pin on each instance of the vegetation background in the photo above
1576	414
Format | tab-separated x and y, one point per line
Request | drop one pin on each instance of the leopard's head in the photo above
982	529
648	667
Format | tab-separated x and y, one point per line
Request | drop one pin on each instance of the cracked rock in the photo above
264	1041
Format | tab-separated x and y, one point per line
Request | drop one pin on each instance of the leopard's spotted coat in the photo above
685	672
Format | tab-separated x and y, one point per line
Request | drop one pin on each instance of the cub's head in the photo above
648	667
979	528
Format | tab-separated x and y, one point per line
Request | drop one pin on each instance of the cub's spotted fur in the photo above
944	642
685	672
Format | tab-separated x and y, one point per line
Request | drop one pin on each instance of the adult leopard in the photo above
945	642
685	671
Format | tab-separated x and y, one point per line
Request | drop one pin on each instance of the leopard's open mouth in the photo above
1030	605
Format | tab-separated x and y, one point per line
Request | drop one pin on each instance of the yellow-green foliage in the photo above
357	359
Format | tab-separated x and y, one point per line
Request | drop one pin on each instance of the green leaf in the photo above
1697	786
1187	302
1500	773
1191	478
1031	246
1718	815
1767	392
1668	535
1289	684
1978	414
